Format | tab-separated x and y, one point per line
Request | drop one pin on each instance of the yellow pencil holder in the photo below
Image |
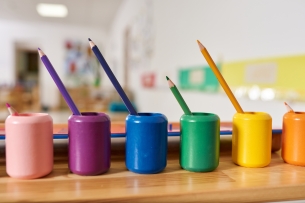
251	139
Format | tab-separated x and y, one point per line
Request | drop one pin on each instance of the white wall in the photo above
50	37
231	30
126	15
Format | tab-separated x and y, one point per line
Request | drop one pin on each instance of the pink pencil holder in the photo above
29	145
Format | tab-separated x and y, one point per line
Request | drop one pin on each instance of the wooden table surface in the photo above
228	183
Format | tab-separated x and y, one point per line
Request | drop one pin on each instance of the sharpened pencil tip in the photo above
8	105
91	43
40	52
170	83
167	78
200	45
288	108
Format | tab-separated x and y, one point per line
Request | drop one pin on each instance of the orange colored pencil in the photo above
221	80
289	109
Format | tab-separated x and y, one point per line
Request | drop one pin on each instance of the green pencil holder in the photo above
199	142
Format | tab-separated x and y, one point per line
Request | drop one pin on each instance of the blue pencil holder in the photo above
146	143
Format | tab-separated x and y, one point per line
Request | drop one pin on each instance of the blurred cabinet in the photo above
22	100
86	99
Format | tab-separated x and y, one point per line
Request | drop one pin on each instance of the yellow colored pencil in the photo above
221	80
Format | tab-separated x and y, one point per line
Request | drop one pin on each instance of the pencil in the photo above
178	96
221	80
112	78
58	82
289	108
12	111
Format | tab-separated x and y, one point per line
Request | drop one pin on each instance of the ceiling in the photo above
94	13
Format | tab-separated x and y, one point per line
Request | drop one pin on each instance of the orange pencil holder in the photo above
293	138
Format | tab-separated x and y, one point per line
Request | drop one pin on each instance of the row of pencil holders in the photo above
29	142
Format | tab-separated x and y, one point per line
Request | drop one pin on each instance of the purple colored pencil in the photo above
112	78
58	82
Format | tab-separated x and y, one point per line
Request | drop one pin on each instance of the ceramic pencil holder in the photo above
251	139
29	145
199	142
89	143
146	143
293	138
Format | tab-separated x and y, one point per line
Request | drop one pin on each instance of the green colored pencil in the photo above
179	98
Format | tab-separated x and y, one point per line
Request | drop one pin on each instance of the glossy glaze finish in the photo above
89	143
251	139
29	145
146	143
293	138
199	142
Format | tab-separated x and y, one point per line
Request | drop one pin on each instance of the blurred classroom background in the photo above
258	45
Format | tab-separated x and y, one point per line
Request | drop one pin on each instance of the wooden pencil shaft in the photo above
289	108
114	81
60	85
181	101
221	80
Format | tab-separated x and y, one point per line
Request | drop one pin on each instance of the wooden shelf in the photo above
228	183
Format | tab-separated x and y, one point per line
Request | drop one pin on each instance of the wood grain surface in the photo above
228	183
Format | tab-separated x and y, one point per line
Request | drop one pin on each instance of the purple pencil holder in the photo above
89	143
